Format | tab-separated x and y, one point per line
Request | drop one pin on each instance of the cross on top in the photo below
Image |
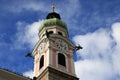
53	6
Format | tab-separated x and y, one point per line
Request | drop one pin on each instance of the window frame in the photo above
61	59
41	62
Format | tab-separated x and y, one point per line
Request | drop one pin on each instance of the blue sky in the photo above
95	24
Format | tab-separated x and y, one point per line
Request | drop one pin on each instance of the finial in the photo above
53	6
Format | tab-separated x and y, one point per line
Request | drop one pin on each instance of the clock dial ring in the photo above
61	45
42	47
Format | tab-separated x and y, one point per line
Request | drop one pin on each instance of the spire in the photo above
53	6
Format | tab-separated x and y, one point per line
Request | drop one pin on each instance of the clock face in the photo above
61	45
42	47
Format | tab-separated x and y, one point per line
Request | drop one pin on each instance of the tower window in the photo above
50	32
61	59
41	62
60	33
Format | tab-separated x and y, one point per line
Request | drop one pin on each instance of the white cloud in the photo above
99	58
97	42
70	9
93	70
116	55
45	6
20	6
27	34
116	33
28	73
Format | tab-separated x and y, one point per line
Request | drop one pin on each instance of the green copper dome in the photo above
52	22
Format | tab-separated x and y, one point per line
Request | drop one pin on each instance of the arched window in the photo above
41	62
50	32
61	59
60	33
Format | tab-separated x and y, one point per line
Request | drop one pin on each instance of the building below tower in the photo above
9	75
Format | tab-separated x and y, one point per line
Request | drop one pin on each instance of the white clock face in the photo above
42	47
61	45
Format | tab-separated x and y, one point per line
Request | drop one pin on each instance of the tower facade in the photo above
53	54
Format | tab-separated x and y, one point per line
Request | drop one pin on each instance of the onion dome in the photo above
53	15
52	22
53	19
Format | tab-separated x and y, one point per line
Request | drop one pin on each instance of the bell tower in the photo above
53	54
